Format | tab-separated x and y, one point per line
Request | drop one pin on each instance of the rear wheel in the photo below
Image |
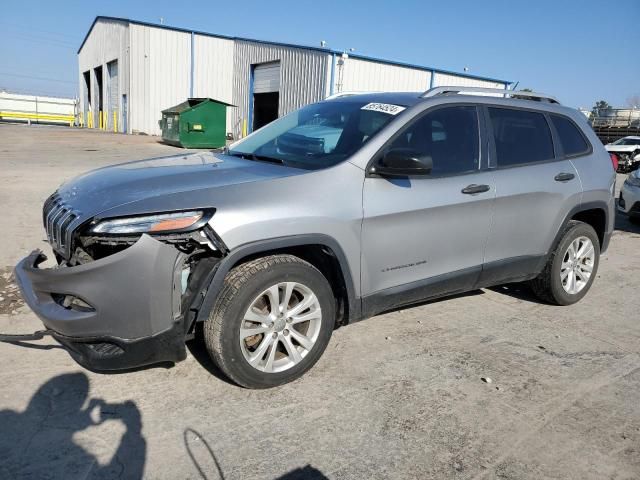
271	322
572	266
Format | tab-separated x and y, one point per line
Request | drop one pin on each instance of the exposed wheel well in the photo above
324	259
597	218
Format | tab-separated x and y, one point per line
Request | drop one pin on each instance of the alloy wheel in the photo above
577	265
280	327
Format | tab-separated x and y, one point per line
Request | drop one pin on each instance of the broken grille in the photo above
57	218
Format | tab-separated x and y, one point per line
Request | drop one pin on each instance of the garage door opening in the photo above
99	107
265	94
87	95
265	108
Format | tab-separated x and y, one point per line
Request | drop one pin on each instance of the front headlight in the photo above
165	222
633	181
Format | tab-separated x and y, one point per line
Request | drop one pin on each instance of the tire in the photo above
246	294
548	286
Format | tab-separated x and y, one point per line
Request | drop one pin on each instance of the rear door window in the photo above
572	141
521	137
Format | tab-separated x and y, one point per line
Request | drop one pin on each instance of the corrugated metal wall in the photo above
213	70
154	71
109	40
160	62
446	80
212	74
303	76
364	75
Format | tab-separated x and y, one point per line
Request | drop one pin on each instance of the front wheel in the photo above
572	266
271	321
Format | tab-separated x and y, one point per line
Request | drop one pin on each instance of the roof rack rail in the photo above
506	93
347	94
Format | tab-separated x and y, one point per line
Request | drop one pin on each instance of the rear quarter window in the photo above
521	137
571	139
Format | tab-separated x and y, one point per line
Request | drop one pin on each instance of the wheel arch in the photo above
592	213
322	251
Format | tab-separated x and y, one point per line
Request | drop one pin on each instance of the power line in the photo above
32	77
32	29
49	41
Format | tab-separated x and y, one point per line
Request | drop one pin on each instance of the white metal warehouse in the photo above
133	70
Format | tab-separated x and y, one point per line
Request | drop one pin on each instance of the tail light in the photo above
614	160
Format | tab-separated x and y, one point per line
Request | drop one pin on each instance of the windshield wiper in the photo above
257	158
265	158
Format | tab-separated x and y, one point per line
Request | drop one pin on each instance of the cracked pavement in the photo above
396	396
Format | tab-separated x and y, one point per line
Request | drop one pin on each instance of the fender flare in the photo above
596	204
216	279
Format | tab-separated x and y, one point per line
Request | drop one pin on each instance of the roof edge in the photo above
327	51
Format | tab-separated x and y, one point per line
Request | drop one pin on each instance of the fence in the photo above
37	109
616	118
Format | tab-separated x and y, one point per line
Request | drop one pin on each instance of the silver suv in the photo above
334	213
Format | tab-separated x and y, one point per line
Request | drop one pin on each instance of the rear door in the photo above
424	236
536	188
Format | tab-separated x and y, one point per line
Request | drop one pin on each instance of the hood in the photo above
136	182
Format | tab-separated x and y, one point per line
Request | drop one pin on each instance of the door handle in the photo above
564	177
473	188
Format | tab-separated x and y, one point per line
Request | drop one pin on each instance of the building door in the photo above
266	93
124	114
112	96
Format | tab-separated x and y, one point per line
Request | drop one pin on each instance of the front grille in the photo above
58	219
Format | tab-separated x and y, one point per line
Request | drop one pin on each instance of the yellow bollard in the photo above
90	120
244	128
115	121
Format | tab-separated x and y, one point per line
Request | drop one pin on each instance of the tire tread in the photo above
234	281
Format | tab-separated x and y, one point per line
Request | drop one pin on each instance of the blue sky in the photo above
579	51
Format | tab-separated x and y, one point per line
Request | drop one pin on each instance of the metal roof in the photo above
291	45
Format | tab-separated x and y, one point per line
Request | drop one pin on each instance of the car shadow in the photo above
209	468
624	224
520	291
39	441
198	349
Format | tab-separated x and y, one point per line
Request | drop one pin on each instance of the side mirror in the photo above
402	162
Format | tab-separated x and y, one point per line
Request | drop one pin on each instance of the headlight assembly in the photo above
161	223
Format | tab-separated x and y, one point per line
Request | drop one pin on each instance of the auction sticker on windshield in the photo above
384	108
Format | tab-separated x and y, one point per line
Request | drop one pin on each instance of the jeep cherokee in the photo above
336	212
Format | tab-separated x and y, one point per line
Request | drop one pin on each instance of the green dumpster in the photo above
196	123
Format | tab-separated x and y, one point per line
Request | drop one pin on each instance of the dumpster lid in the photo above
193	102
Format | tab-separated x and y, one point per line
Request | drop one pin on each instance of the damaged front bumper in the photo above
119	312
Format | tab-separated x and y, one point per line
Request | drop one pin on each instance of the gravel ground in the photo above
401	395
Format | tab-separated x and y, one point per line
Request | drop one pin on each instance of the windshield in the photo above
627	141
317	136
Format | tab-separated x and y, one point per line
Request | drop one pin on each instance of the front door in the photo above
425	236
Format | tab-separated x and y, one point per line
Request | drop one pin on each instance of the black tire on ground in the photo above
241	286
548	286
